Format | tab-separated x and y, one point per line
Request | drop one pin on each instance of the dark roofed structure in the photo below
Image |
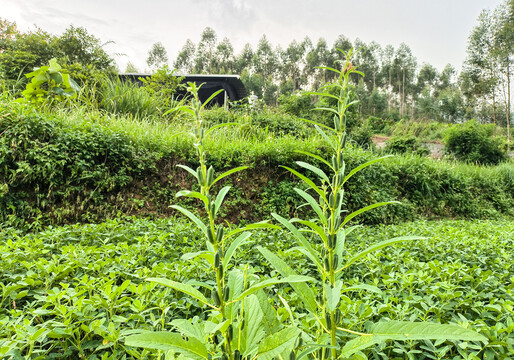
232	84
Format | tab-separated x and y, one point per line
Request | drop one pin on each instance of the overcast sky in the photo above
435	30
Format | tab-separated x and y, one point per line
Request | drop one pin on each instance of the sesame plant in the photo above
239	321
328	254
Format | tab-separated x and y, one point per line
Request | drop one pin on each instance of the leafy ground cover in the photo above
77	291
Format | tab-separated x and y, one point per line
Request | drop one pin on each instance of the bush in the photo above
406	144
473	143
299	104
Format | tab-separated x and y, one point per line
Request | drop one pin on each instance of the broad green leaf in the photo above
229	172
186	289
185	327
189	170
288	308
240	240
219	199
207	255
378	246
54	66
367	208
193	194
269	319
359	343
162	340
276	343
253	331
192	216
406	330
333	295
316	228
362	166
327	109
314	169
314	205
265	283
307	181
302	290
315	123
235	283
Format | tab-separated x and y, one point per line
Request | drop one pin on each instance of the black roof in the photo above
232	85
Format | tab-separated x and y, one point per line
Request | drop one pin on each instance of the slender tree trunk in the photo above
402	111
508	103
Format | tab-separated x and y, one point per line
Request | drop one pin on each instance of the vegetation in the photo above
230	284
80	289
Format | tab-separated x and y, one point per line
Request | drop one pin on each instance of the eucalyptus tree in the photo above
293	62
185	60
368	60
243	61
204	59
157	56
404	68
317	57
224	57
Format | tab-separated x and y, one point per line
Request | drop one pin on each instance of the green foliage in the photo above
406	144
297	104
83	287
472	142
163	83
322	240
48	83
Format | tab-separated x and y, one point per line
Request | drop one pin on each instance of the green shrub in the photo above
472	143
298	104
405	144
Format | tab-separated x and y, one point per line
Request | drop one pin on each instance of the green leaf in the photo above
333	295
378	246
219	199
240	240
185	327
367	208
54	66
192	216
360	343
211	97
362	166
212	128
314	169
253	332
302	290
265	283
269	319
229	172
298	236
189	170
314	156
307	181
276	343
207	255
325	136
314	205
193	194
186	289
406	330
162	340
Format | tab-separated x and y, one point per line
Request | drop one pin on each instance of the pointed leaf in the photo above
211	97
314	156
163	340
406	330
219	198
314	169
367	208
333	295
359	343
189	170
378	246
240	240
219	126
276	343
302	290
229	172
193	194
186	289
192	216
265	283
366	287
307	181
314	205
253	331
362	166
